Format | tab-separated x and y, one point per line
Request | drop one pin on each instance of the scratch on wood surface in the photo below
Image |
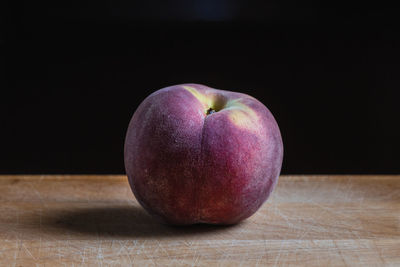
37	193
128	254
121	247
317	254
243	258
28	251
83	255
146	255
286	219
379	252
141	247
279	253
16	251
163	249
339	251
196	257
100	255
309	226
265	252
58	251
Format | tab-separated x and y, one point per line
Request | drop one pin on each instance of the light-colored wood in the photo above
95	221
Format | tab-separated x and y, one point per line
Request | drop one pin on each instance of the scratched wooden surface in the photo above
94	220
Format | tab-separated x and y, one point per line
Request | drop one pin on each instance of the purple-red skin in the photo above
186	167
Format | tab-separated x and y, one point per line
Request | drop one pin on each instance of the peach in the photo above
194	154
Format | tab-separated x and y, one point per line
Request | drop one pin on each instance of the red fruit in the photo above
195	154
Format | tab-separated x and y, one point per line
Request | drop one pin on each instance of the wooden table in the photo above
95	220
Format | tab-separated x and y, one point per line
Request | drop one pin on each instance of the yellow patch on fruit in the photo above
242	116
210	100
202	98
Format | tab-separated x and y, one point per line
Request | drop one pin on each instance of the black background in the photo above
72	74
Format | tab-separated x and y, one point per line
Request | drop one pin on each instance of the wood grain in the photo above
95	221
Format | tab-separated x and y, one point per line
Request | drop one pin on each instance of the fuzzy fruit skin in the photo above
187	167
